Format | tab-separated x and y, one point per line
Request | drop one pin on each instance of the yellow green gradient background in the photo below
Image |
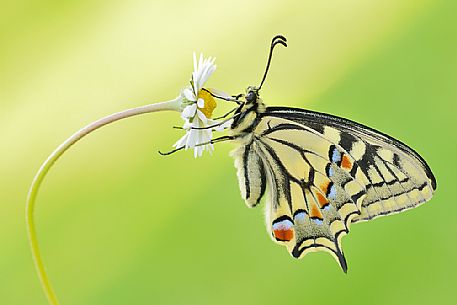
120	224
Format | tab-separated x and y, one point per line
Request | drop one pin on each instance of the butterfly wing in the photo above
324	173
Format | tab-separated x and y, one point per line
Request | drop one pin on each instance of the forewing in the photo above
395	176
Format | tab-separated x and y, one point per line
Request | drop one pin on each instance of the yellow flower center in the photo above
210	103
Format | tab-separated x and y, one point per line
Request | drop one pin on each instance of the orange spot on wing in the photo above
322	200
324	187
315	212
346	162
284	235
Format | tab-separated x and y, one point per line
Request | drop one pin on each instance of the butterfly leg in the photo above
220	139
171	151
228	99
213	141
215	125
225	115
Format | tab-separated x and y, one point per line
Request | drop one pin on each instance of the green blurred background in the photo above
119	224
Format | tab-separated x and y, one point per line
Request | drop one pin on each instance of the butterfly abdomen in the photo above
251	173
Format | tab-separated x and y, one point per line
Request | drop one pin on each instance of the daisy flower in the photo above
198	106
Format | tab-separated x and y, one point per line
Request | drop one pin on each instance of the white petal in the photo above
181	142
200	61
198	151
189	94
206	138
208	69
200	103
210	149
195	85
191	140
197	122
197	81
195	78
202	117
189	111
187	125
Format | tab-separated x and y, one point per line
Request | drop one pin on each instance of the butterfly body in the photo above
321	173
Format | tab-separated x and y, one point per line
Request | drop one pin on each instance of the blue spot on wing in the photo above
300	217
330	172
332	192
318	221
336	155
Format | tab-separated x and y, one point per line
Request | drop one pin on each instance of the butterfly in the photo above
320	173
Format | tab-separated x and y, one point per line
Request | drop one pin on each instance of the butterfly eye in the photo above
251	97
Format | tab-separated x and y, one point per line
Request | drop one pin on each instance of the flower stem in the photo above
173	105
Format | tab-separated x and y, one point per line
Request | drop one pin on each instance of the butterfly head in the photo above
252	100
252	95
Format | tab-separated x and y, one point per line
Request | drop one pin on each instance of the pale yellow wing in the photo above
323	173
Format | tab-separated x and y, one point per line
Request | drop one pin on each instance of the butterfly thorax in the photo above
247	116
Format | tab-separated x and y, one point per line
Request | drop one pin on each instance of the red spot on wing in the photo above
283	234
346	162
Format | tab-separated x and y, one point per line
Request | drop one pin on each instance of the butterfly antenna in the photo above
278	39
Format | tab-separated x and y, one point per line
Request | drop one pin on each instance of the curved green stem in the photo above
173	105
